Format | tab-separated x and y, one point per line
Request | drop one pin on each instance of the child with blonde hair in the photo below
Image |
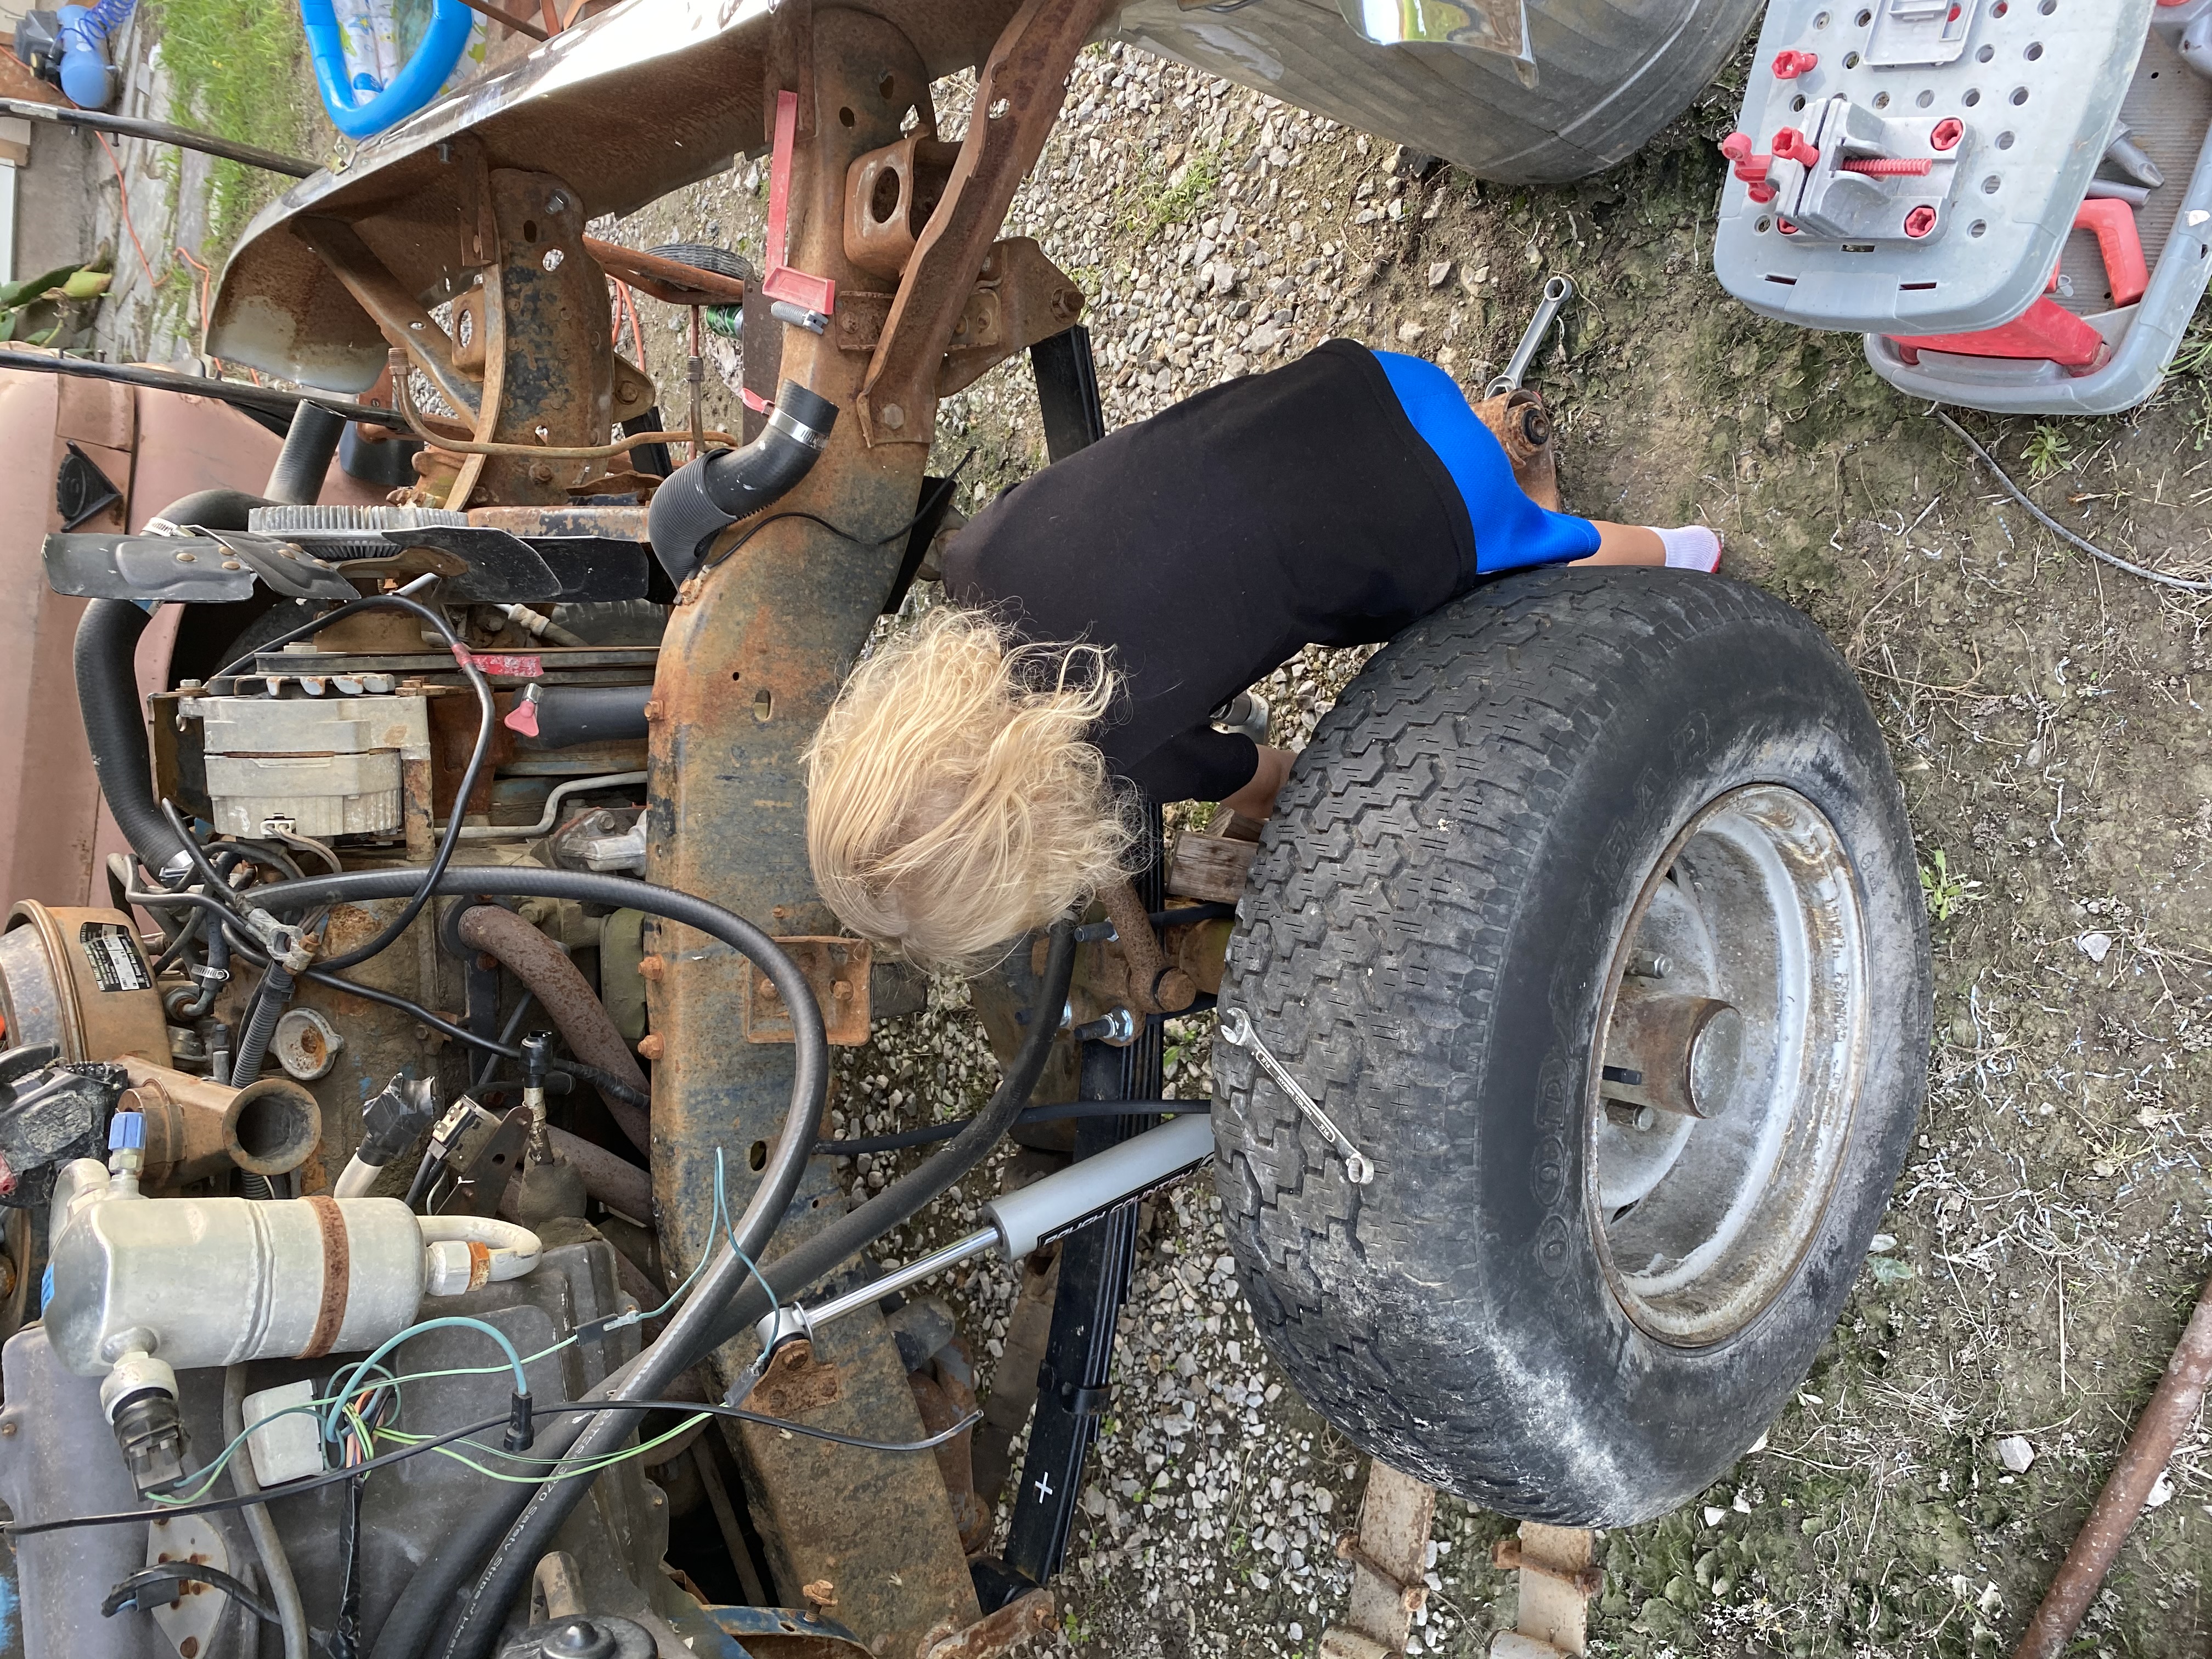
968	785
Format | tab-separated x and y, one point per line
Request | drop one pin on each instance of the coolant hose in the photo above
107	692
310	442
704	497
115	730
211	509
711	1316
563	991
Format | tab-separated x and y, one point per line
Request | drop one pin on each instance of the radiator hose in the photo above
705	496
107	692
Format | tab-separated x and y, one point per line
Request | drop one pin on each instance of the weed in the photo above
2049	451
1946	893
1172	199
238	68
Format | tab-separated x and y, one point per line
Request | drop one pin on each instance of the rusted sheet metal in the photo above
625	524
1020	298
755	651
549	360
837	971
398	317
889	194
635	103
2173	1407
1018	95
1389	1554
1020	1619
669	280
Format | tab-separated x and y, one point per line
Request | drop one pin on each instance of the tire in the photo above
1513	803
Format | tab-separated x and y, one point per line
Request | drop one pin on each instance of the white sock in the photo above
1693	547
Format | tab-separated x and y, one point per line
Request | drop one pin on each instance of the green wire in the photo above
515	1362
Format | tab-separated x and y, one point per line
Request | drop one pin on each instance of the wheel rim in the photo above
1739	989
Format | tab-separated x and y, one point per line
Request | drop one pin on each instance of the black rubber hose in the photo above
115	730
269	1005
213	509
107	692
570	714
310	443
798	1267
705	496
712	1315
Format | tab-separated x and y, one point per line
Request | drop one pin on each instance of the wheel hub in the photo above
1731	1049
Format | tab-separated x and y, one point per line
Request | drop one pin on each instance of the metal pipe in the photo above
264	397
276	1565
162	132
2172	1408
551	814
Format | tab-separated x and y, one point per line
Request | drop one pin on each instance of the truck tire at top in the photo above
1577	858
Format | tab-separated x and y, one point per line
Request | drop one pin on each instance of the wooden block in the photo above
1210	868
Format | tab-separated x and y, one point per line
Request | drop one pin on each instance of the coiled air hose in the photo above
704	497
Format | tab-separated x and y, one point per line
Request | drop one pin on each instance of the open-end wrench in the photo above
1236	1031
1557	292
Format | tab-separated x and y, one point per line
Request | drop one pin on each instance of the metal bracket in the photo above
837	972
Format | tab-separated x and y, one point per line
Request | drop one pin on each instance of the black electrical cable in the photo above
709	1319
688	1335
928	506
267	398
170	1574
333	1477
1061	1112
487	716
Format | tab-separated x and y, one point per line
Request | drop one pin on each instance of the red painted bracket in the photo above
782	281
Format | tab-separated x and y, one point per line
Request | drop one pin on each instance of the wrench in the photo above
1236	1031
1557	293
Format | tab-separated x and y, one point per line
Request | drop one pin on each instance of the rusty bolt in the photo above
655	709
653	1046
188	558
8	1429
652	967
541	472
841	991
822	1593
894	416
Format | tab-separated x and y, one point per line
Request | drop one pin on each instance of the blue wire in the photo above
730	1231
332	1419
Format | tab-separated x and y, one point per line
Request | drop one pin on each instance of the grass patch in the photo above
1173	198
238	68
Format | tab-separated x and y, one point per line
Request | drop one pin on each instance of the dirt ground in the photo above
2055	1222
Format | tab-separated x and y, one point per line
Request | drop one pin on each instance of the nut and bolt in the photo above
652	1047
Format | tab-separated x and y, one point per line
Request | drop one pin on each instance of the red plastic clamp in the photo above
1751	168
1789	145
1788	65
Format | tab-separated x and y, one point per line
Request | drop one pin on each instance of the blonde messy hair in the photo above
954	801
